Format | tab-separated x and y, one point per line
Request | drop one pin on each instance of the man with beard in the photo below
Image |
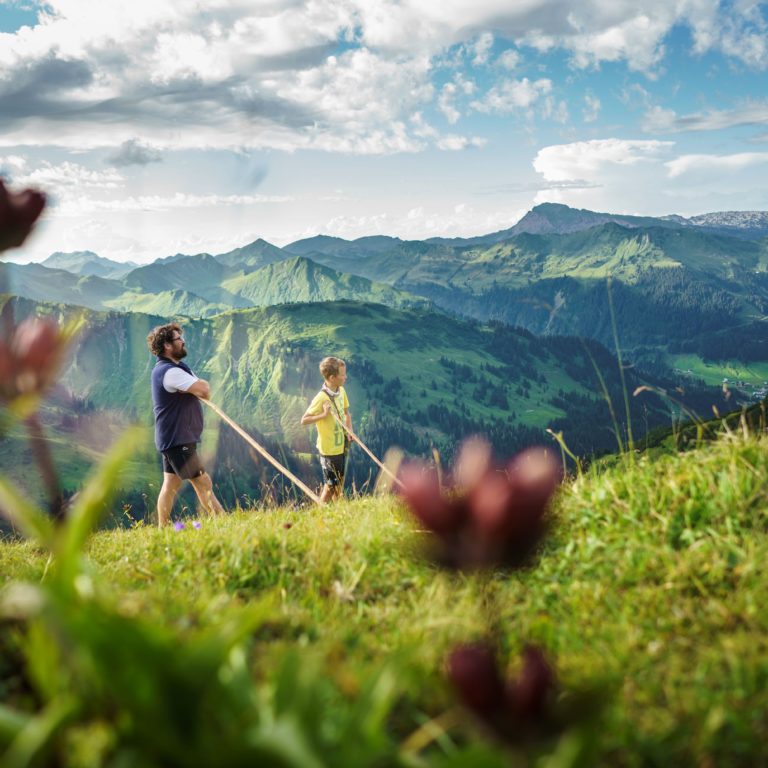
178	421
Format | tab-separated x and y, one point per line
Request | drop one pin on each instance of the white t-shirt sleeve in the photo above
177	380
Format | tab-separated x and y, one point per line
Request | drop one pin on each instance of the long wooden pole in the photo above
366	449
274	462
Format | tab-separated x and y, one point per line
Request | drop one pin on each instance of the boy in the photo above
328	405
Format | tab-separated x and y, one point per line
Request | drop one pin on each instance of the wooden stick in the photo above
274	462
365	448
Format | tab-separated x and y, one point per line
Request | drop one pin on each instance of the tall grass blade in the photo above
11	724
33	741
24	516
615	330
90	503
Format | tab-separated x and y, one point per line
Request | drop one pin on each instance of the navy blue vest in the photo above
178	415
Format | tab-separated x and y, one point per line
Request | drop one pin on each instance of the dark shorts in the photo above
182	460
333	469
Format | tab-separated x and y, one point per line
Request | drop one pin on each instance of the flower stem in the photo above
42	453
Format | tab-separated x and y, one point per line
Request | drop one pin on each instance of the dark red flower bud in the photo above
472	463
474	672
491	505
423	494
18	213
534	474
30	363
529	694
6	366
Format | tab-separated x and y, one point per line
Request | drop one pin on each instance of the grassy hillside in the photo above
650	589
299	279
203	285
671	284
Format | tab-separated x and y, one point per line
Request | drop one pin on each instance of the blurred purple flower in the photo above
475	674
18	213
196	524
30	358
178	526
491	517
514	710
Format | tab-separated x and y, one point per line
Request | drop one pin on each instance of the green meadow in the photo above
318	636
713	372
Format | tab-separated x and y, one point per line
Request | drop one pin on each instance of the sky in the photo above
173	126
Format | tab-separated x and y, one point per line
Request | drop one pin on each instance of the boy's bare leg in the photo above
203	486
331	492
171	485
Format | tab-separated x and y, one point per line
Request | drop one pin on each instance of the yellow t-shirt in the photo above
330	435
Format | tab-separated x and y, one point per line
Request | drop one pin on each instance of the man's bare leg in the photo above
171	485
203	486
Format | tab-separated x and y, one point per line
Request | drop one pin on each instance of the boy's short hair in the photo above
159	336
329	366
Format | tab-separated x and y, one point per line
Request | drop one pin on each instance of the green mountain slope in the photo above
673	285
259	253
199	286
362	247
555	218
201	275
172	303
88	263
301	279
418	379
40	283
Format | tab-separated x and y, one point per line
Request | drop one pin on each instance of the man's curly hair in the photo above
160	336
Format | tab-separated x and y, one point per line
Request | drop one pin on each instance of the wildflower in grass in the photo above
515	709
178	526
30	358
18	213
196	524
491	516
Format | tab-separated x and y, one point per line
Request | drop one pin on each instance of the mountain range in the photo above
674	281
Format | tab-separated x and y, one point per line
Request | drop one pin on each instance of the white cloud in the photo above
658	119
510	95
644	177
12	164
456	220
67	176
588	159
78	206
555	110
453	142
738	29
618	175
482	49
445	103
714	166
591	108
450	92
509	60
324	74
